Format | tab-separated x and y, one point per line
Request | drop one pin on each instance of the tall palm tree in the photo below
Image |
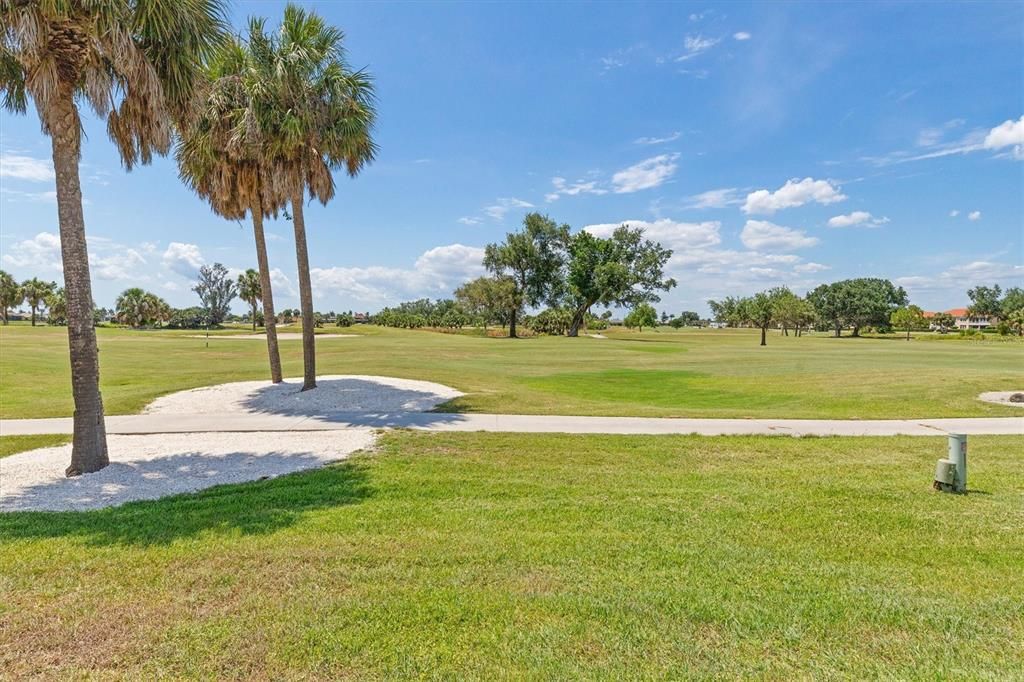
320	118
249	291
223	157
35	292
11	294
135	63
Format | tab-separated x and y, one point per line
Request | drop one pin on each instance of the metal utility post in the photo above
958	455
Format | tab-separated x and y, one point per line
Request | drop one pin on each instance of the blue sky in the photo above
765	143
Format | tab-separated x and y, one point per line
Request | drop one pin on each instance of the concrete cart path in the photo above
516	423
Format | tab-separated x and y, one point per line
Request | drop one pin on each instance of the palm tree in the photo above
35	292
58	306
249	291
133	307
319	119
11	294
222	156
135	63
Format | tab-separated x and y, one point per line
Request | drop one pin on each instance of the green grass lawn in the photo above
690	373
469	556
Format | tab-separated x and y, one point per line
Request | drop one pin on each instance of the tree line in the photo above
856	304
257	123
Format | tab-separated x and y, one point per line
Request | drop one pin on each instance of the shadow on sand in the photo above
252	508
353	402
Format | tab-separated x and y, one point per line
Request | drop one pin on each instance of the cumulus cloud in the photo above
741	35
669	233
183	259
40	253
857	219
1009	133
671	137
765	236
503	205
974	215
715	198
563	188
810	267
793	193
467	220
22	167
647	174
438	271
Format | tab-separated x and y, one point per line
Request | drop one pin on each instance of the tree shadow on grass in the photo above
253	508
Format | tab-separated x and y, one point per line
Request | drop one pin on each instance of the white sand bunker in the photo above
281	336
1003	398
334	394
149	467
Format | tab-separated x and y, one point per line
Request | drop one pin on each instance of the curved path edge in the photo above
518	423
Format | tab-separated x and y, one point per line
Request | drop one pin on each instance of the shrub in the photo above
345	320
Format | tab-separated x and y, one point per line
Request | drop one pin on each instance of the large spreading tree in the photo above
533	260
134	62
216	290
623	270
857	303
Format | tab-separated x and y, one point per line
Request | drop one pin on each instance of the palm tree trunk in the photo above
33	307
512	326
253	315
269	320
305	292
89	443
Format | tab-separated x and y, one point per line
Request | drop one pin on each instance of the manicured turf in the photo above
541	557
709	373
10	445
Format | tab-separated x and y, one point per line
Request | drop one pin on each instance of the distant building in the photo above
361	318
962	319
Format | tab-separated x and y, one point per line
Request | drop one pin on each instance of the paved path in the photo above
433	421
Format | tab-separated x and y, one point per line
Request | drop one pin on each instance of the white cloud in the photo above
696	45
793	193
562	188
438	271
280	282
41	254
954	213
647	174
741	35
929	137
22	167
671	137
669	233
857	218
183	259
504	205
974	215
763	235
1009	133
715	198
811	267
466	220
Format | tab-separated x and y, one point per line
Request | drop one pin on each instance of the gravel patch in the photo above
334	394
150	467
1002	398
281	336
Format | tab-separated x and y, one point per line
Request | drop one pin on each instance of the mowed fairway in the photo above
506	556
689	373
